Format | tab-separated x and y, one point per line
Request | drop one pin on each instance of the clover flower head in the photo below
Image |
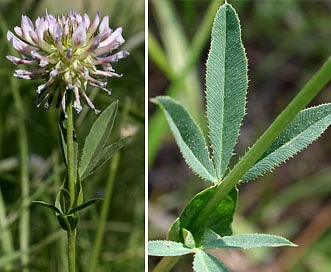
67	53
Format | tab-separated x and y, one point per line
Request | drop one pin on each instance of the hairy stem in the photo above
70	155
71	183
72	250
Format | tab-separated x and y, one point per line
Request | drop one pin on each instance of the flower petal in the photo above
104	24
17	61
112	58
79	36
93	27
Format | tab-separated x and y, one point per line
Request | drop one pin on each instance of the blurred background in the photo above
286	42
29	137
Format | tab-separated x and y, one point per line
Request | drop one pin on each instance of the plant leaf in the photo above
246	241
188	137
97	138
204	262
188	239
167	248
84	205
305	128
220	221
226	86
50	206
99	159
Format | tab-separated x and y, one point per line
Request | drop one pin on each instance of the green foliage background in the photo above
123	246
285	41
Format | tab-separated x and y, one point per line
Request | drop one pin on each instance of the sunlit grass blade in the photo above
226	86
157	128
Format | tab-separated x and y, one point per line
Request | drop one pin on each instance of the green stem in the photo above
72	250
104	212
71	183
70	155
307	93
24	224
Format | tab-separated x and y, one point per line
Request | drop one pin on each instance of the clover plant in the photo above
205	223
68	53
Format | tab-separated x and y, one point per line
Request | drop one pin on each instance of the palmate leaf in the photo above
204	262
103	156
247	241
188	137
226	86
96	140
305	128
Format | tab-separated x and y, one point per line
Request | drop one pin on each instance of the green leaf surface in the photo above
167	248
84	205
188	239
103	156
246	241
62	201
50	206
305	128
219	221
97	139
204	262
188	137
226	86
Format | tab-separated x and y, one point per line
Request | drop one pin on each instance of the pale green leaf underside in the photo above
246	241
188	238
97	139
204	262
188	137
306	127
226	86
167	248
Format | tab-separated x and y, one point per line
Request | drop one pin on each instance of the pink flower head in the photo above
67	53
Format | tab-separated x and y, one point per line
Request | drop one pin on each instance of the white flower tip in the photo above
10	36
97	111
69	53
125	54
78	108
40	88
54	73
12	59
79	36
104	24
